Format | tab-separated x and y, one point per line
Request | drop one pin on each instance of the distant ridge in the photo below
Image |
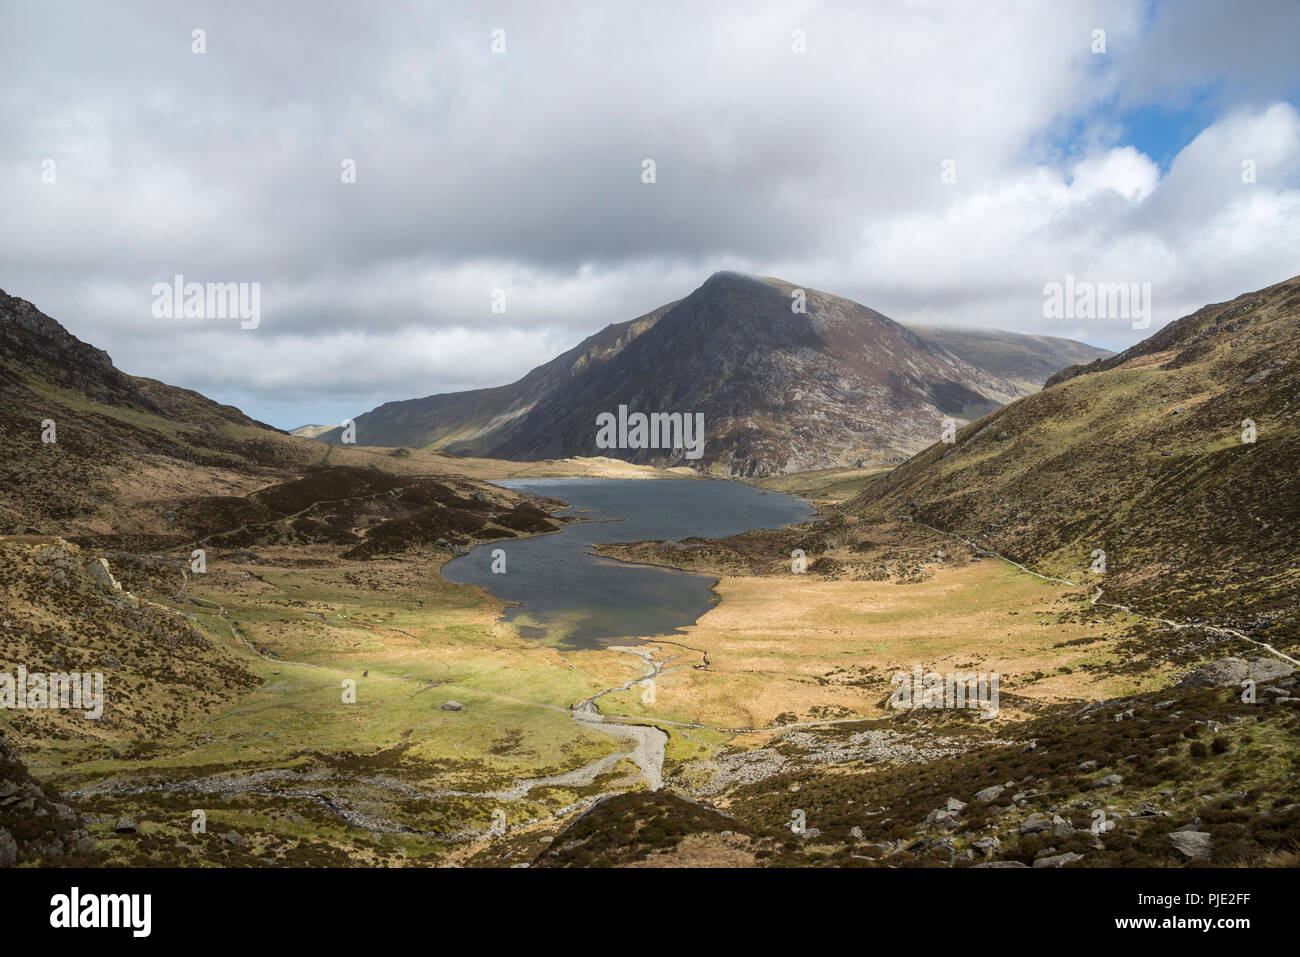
310	431
1026	359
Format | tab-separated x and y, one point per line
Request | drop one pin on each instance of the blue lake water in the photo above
570	597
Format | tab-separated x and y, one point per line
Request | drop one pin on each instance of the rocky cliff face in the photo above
35	826
32	342
781	390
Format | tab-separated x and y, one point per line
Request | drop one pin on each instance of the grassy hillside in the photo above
1142	456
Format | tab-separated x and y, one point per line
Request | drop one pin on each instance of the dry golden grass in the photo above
705	850
823	649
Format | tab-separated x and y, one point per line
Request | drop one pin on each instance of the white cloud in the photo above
522	172
1124	171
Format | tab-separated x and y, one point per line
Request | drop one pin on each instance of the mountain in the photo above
1143	455
83	439
1024	359
37	351
138	465
780	390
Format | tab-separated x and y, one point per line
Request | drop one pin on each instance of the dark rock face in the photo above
31	343
35	828
35	343
780	390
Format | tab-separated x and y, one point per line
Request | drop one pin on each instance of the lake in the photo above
570	597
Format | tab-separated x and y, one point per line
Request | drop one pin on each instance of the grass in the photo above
796	643
823	486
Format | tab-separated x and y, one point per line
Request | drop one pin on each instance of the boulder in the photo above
1268	669
941	818
1058	860
1036	823
1232	671
990	793
987	845
1190	845
81	842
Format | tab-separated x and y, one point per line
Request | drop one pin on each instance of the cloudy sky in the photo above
522	171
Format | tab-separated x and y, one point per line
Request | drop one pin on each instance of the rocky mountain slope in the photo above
779	390
136	463
1024	359
1189	776
81	440
97	533
1178	458
65	611
36	350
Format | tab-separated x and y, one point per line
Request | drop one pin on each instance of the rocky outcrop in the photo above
36	827
1232	672
35	343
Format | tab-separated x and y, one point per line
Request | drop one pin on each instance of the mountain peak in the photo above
729	279
781	388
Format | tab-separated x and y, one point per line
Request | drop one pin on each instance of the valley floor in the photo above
467	744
